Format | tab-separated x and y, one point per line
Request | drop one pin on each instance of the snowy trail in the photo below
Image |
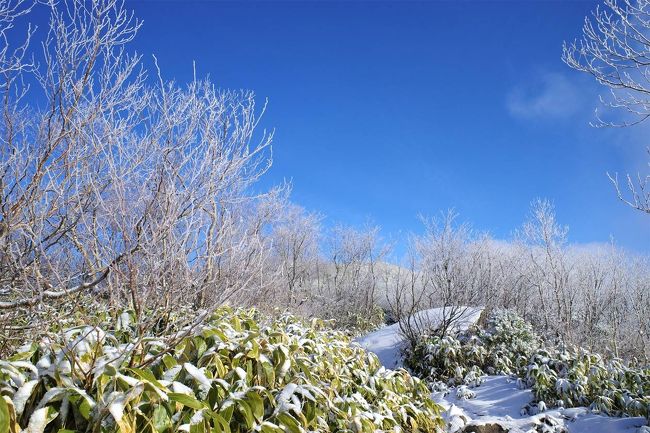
498	396
498	400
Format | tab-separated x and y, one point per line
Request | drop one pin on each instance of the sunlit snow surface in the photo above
498	399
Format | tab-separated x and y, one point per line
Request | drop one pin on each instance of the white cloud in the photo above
550	95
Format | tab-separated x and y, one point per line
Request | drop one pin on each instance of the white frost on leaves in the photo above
53	394
204	382
179	388
37	421
287	401
241	373
116	404
22	395
172	373
197	418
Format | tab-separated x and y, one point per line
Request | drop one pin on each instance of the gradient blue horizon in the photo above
383	111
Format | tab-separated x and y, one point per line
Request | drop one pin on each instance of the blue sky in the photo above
383	111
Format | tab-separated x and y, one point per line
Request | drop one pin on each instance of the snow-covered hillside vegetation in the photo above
233	373
508	399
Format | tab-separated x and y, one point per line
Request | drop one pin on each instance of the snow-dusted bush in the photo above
576	377
560	377
510	341
503	347
231	374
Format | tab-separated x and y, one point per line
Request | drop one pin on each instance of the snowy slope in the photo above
498	400
387	342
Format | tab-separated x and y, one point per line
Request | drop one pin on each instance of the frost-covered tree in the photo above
296	245
451	266
348	276
593	296
447	268
615	50
117	183
549	273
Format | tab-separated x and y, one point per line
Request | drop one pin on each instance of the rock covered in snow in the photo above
485	428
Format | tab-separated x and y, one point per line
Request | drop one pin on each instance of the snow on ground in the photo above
387	342
498	400
498	396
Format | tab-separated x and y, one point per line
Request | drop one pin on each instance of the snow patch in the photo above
499	401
